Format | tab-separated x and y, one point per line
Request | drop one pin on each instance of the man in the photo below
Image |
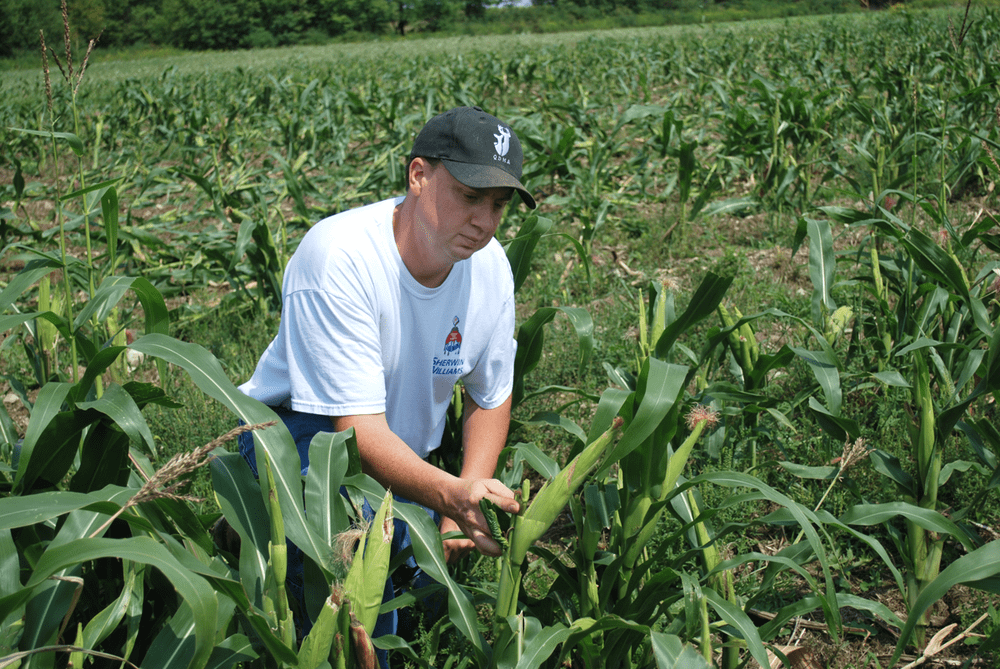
387	306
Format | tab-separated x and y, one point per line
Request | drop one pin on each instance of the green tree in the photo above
426	15
223	24
20	21
128	22
476	9
337	17
437	15
286	20
86	18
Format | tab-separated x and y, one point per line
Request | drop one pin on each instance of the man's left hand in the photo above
457	548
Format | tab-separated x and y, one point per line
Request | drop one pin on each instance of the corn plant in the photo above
938	337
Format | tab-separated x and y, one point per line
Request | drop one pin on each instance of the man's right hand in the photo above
468	517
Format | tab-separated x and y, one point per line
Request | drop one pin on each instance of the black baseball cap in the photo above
478	149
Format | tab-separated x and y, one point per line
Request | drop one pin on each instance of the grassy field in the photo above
809	204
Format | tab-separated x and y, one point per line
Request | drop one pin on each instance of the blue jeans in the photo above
401	622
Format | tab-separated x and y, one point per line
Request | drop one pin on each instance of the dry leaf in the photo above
799	657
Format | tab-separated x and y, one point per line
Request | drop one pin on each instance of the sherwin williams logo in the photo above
502	145
453	342
450	366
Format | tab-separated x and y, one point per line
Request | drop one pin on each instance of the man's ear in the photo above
418	172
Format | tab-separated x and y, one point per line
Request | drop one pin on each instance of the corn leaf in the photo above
531	335
206	372
329	463
75	143
876	514
702	304
974	569
806	519
238	495
660	387
522	247
821	268
672	653
27	277
234	651
539	643
735	616
193	589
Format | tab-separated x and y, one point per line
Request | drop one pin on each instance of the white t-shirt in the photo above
360	335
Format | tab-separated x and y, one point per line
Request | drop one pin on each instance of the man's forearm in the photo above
484	435
386	458
390	461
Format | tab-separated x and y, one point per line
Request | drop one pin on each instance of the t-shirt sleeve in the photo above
335	358
491	381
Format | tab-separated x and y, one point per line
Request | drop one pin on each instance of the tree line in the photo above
240	24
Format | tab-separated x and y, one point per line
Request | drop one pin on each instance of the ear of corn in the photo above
838	323
315	649
554	495
361	645
365	582
278	554
641	534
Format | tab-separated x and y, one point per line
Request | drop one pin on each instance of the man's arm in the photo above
386	458
484	434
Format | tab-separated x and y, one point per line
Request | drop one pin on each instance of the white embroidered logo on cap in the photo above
502	145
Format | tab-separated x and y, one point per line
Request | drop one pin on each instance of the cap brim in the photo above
487	176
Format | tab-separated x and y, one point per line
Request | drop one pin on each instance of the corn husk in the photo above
365	582
554	495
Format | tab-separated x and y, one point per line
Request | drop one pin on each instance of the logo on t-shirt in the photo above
449	365
453	342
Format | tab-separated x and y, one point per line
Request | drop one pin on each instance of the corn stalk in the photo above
924	545
534	519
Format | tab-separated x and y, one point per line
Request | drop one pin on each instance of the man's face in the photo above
454	219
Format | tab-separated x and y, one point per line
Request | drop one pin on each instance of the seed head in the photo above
166	482
853	453
45	71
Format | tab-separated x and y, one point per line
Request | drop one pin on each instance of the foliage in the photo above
267	23
139	207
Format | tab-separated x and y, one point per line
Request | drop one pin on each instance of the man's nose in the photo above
482	216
